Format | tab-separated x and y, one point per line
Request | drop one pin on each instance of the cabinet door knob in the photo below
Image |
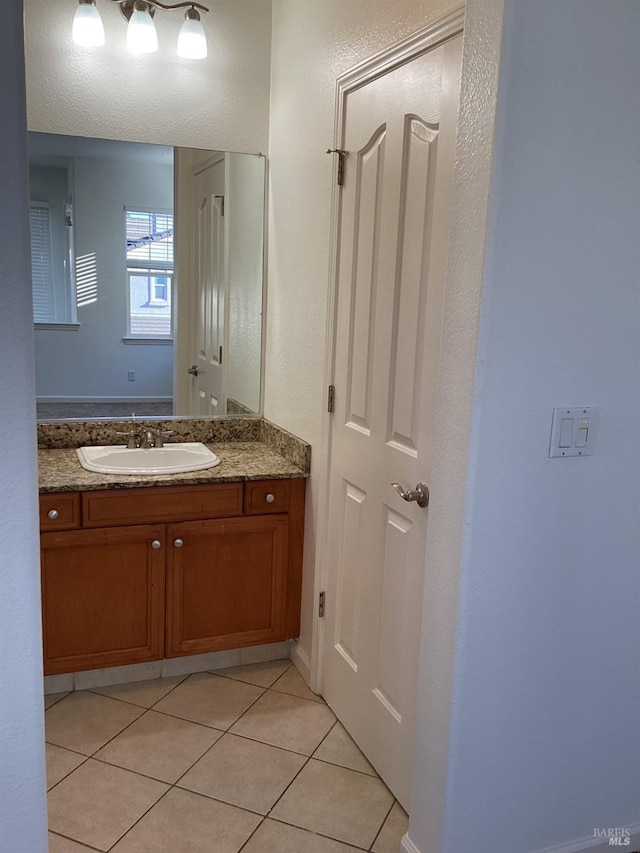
53	513
270	498
178	543
156	544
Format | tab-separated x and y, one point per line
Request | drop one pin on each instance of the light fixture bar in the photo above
142	37
126	6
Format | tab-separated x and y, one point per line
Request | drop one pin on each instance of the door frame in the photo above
424	40
184	289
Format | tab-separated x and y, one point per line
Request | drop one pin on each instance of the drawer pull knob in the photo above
156	544
53	513
270	498
178	543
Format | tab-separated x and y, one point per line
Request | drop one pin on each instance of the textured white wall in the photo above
544	737
93	361
313	43
23	818
221	102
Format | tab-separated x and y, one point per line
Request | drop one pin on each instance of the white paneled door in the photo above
207	388
394	216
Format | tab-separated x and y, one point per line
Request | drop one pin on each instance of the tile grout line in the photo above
228	731
175	784
68	838
66	776
144	814
144	711
95	692
59	699
262	817
142	708
319	834
220	672
310	758
386	818
276	802
286	789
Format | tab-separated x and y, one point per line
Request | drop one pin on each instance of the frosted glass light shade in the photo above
141	33
88	30
192	41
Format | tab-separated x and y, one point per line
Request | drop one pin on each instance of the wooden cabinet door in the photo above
102	597
226	583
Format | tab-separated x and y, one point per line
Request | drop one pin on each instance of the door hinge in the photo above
220	356
321	604
221	197
331	398
341	158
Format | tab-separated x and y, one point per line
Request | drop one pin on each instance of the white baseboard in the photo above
135	398
301	660
581	845
407	845
595	845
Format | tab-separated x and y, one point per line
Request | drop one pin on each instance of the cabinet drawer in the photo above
160	503
60	511
264	496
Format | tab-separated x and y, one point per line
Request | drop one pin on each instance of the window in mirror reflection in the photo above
149	237
51	224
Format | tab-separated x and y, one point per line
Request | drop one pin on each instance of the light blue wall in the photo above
23	817
544	742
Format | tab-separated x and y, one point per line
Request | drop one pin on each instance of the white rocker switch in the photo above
566	432
573	431
584	427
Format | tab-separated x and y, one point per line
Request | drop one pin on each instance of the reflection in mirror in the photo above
147	278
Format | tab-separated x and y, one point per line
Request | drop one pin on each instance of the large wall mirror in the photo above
147	278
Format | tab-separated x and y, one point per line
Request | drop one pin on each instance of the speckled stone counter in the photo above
249	449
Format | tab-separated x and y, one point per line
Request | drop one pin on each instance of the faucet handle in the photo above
159	442
132	443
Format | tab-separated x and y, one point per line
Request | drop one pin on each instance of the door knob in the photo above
193	370
178	543
420	494
53	513
156	544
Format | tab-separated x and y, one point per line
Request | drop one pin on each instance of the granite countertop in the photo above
249	450
60	470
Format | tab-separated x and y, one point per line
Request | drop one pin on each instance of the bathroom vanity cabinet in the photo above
139	574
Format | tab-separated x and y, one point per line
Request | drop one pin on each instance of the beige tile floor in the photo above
245	759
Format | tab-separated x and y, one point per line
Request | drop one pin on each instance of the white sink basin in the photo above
170	459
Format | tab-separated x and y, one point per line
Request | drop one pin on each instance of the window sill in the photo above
58	327
164	342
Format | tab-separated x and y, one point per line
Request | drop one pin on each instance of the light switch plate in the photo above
573	431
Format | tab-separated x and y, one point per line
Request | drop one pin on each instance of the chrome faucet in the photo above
132	443
147	440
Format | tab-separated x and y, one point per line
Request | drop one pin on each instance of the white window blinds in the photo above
149	239
42	263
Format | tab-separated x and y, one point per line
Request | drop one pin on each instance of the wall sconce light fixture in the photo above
88	30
